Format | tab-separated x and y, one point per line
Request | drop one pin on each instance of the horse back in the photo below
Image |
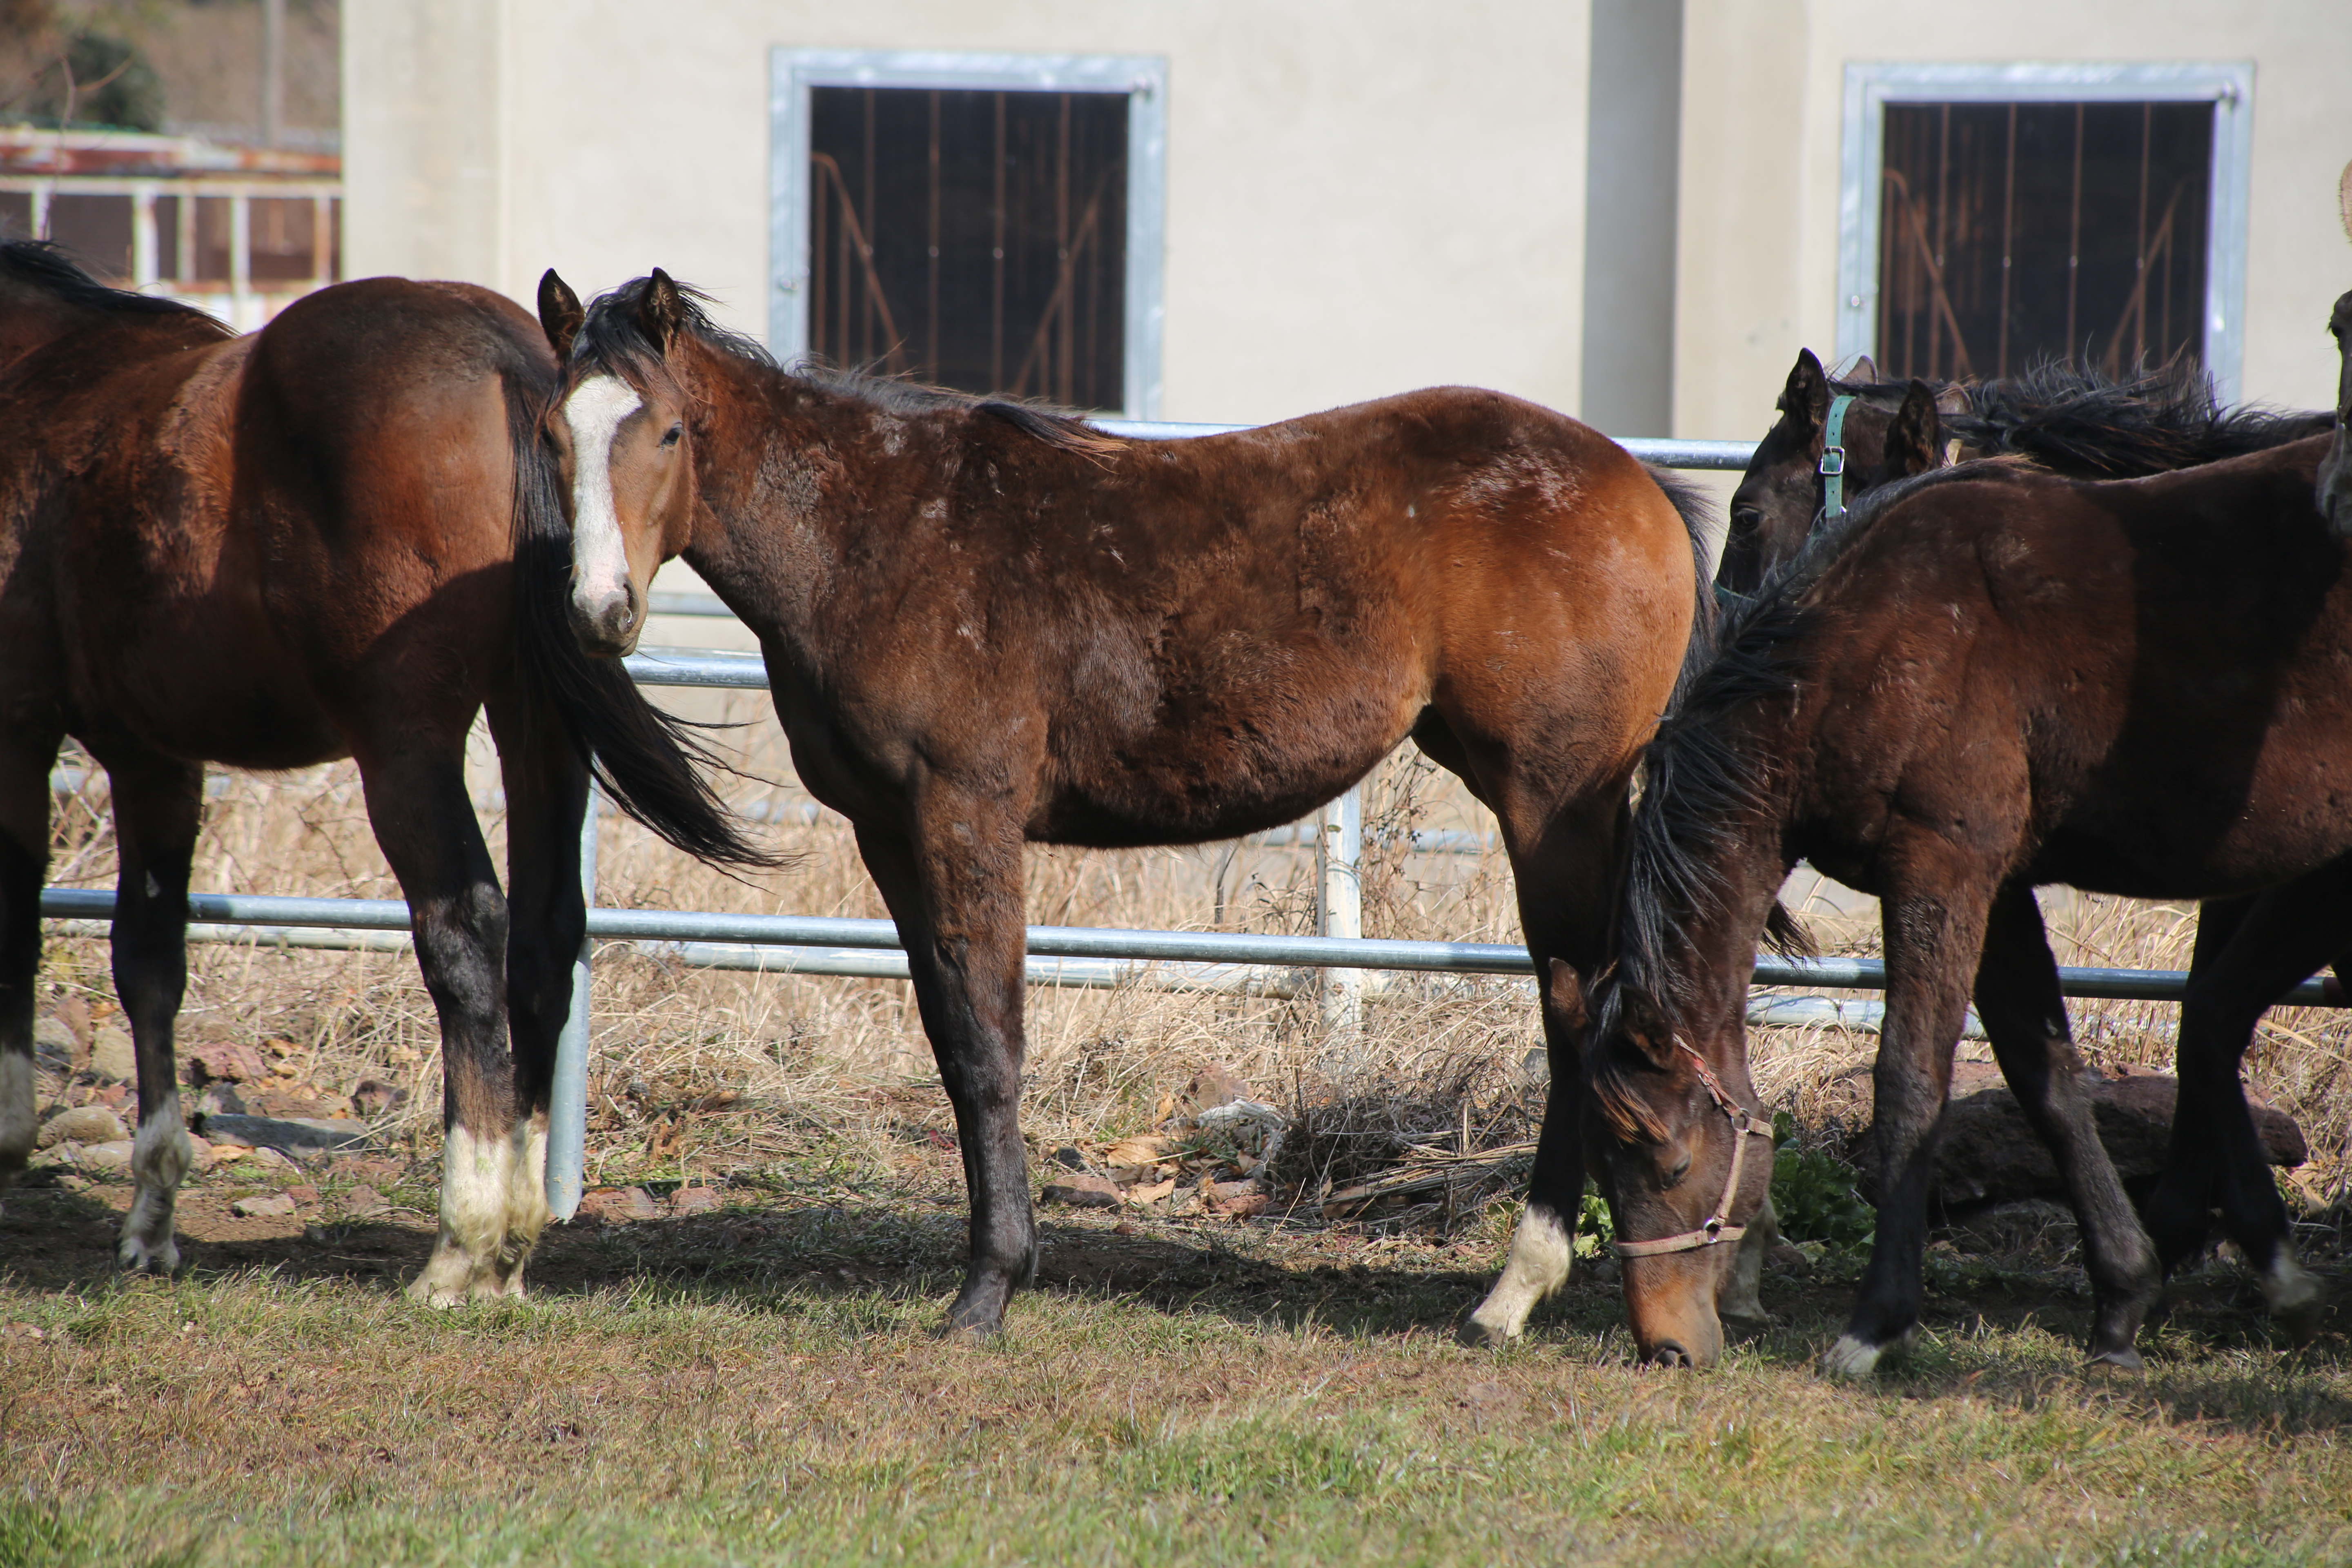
252	543
1215	633
2133	685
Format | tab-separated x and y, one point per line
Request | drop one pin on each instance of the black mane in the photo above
613	340
2083	423
44	264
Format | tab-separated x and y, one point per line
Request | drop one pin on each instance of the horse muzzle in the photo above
607	624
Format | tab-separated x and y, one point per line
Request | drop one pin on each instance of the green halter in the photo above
1833	459
1832	469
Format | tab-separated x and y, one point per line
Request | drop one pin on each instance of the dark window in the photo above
98	230
977	240
2015	231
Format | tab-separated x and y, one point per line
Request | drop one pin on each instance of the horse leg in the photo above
416	801
958	907
25	760
2025	1018
1742	1301
1934	920
2283	938
2175	1215
156	804
547	800
1561	872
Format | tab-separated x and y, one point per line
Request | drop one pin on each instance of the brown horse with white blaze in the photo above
278	550
985	625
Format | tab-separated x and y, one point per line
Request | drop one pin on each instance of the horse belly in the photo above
210	692
1225	776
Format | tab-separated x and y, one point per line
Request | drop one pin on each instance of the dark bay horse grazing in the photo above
985	625
2071	421
1988	679
274	551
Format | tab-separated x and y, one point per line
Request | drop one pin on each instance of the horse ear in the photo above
1565	994
1645	1023
1806	397
1911	438
559	314
662	310
1952	402
1866	371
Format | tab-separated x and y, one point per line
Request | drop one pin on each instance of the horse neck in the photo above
33	317
766	530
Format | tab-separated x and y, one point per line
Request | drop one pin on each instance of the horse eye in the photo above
670	436
1674	1178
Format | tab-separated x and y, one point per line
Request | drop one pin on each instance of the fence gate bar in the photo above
567	1106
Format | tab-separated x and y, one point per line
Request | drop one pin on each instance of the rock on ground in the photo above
112	1056
1990	1154
82	1124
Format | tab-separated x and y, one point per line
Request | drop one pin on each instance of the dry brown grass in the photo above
848	1056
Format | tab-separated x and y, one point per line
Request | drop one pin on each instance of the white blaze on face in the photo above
600	565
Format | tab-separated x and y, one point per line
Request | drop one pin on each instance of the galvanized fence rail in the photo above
1072	956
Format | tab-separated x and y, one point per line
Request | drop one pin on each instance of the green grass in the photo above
255	1418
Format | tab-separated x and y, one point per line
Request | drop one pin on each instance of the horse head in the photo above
622	435
1885	433
1685	1164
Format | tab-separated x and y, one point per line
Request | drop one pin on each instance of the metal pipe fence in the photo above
1090	957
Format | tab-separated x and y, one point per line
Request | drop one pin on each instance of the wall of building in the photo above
1762	107
1363	195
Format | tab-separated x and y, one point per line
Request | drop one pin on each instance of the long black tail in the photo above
649	761
1697	509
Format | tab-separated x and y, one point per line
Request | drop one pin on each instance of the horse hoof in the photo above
1850	1359
2126	1359
137	1257
1484	1336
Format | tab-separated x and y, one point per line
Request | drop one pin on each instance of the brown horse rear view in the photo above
270	551
985	625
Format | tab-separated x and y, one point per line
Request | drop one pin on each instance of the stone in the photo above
362	1200
222	1061
1247	1207
294	1135
1082	1192
1989	1154
374	1096
200	1155
263	1205
112	1056
619	1206
53	1042
1788	1258
694	1200
112	1155
1233	1192
1068	1157
74	1014
304	1197
82	1124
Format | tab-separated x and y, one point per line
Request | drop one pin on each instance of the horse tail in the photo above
649	761
1696	510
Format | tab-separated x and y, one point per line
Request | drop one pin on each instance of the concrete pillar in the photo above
1633	155
424	153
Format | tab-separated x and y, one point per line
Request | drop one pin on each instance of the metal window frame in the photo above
2229	85
793	73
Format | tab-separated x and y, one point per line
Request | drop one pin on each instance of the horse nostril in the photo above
1666	1352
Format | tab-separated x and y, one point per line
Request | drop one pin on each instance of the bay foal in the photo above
985	625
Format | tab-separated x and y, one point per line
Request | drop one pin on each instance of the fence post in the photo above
567	1108
1339	906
